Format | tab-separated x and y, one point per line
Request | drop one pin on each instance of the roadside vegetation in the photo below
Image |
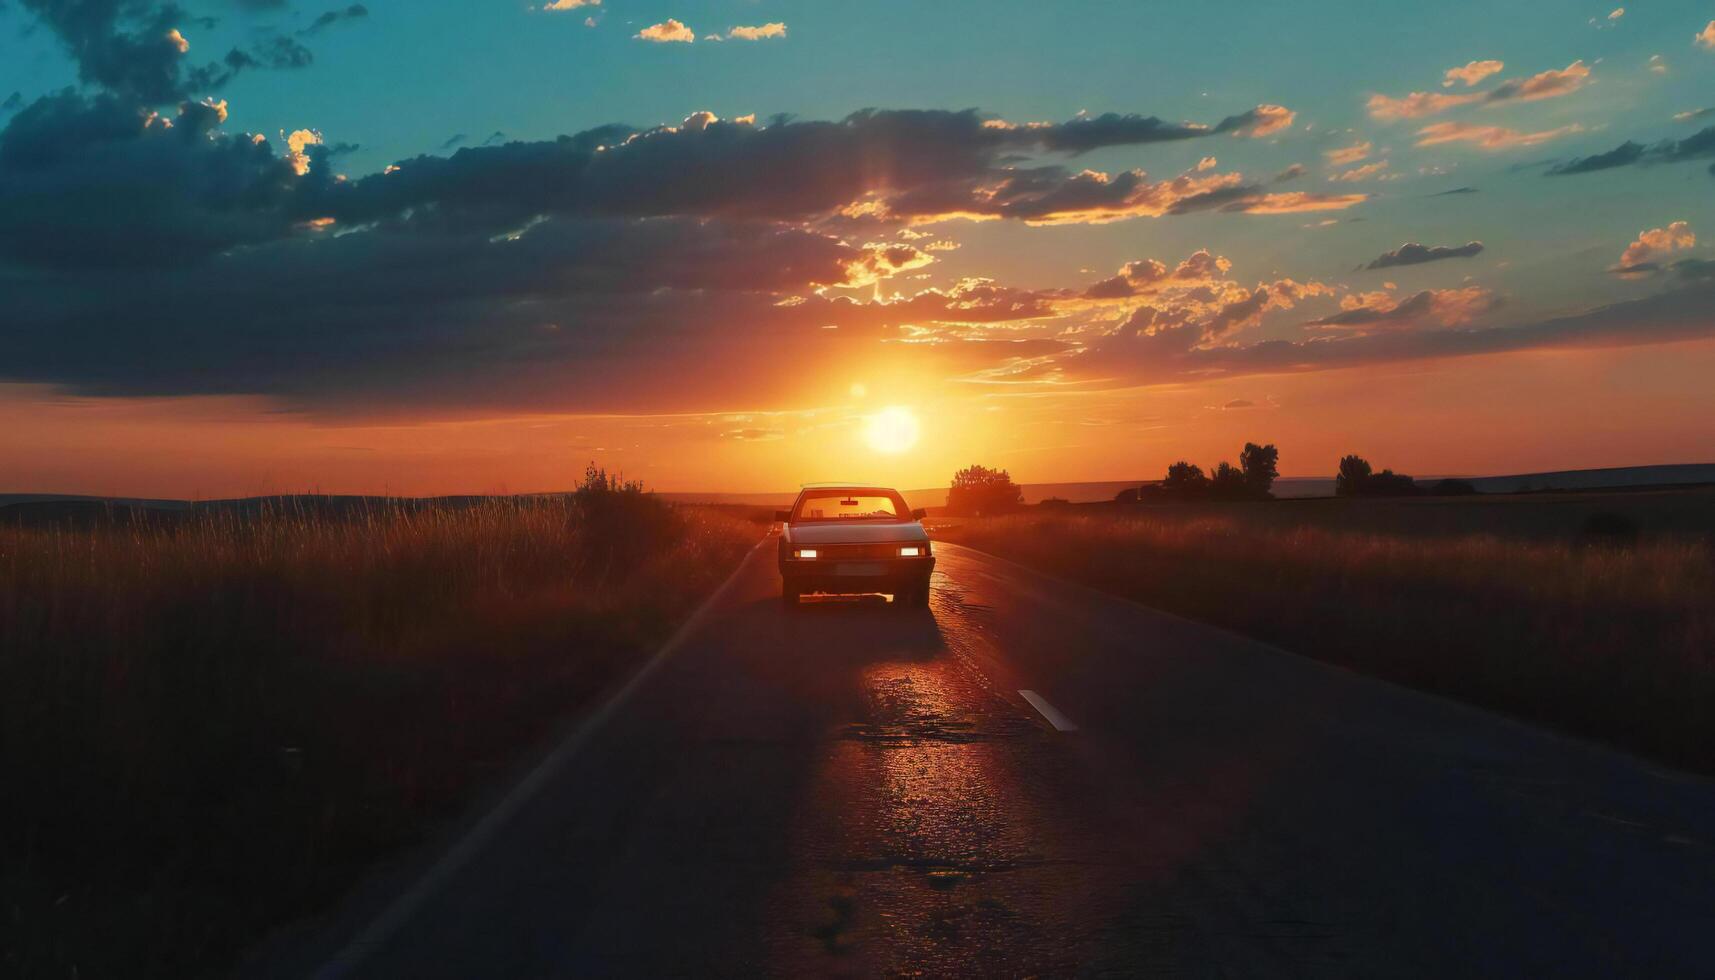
211	725
1600	635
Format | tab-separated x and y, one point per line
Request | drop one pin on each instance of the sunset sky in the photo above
254	246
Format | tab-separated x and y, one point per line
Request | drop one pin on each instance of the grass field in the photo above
211	726
1613	642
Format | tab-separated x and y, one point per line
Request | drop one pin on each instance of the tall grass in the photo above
208	728
1612	642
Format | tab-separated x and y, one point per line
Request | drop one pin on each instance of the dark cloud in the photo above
277	52
13	102
1696	146
453	140
356	11
136	50
93	181
1412	253
1456	190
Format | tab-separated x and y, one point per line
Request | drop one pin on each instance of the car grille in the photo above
859	552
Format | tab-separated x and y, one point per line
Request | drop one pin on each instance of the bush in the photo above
979	491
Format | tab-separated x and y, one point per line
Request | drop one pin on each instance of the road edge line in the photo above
399	911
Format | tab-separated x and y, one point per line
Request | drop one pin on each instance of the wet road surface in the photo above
854	789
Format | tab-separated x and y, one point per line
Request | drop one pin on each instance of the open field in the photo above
1614	642
209	726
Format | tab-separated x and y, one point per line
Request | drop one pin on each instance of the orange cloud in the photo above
1488	137
177	40
1640	256
1364	172
1297	202
1471	74
759	32
667	32
570	4
1348	154
1416	105
1706	37
1268	119
1382	309
1542	85
296	142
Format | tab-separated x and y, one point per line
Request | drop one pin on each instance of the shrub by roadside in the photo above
207	729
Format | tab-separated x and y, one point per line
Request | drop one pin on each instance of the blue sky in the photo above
389	82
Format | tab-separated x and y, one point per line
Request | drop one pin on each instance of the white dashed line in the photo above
1060	722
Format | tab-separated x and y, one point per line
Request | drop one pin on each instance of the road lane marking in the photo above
1060	722
383	927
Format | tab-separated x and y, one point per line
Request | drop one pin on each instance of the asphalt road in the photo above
852	789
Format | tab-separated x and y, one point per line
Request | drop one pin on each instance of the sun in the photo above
892	430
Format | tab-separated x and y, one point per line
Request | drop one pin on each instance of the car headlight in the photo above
911	551
803	552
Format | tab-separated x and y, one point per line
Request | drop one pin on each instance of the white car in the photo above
840	538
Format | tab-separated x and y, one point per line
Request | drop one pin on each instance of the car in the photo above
854	539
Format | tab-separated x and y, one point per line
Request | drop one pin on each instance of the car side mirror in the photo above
782	516
919	514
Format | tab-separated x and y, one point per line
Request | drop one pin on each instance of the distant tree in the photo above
979	491
1185	480
1354	476
1228	482
1387	483
1128	496
1054	503
1261	465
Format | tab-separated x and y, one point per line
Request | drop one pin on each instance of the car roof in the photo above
847	486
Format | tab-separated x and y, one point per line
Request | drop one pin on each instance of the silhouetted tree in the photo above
1128	496
978	491
1356	479
1228	482
1354	475
1185	480
1387	483
1261	465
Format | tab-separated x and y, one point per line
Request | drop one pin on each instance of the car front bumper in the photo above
855	575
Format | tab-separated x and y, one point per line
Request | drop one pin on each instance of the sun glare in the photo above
892	430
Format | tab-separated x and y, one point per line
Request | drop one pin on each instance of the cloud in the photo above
356	11
1348	154
1472	73
1364	172
1690	115
1643	255
667	32
570	4
1488	137
1412	253
1706	37
1456	190
13	102
1264	120
1416	105
1543	85
1657	64
1382	309
1697	146
759	32
1238	403
136	49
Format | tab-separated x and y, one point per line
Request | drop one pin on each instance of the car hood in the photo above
855	533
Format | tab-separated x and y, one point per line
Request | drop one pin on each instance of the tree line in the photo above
978	491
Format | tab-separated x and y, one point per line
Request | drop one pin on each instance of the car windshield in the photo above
849	505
